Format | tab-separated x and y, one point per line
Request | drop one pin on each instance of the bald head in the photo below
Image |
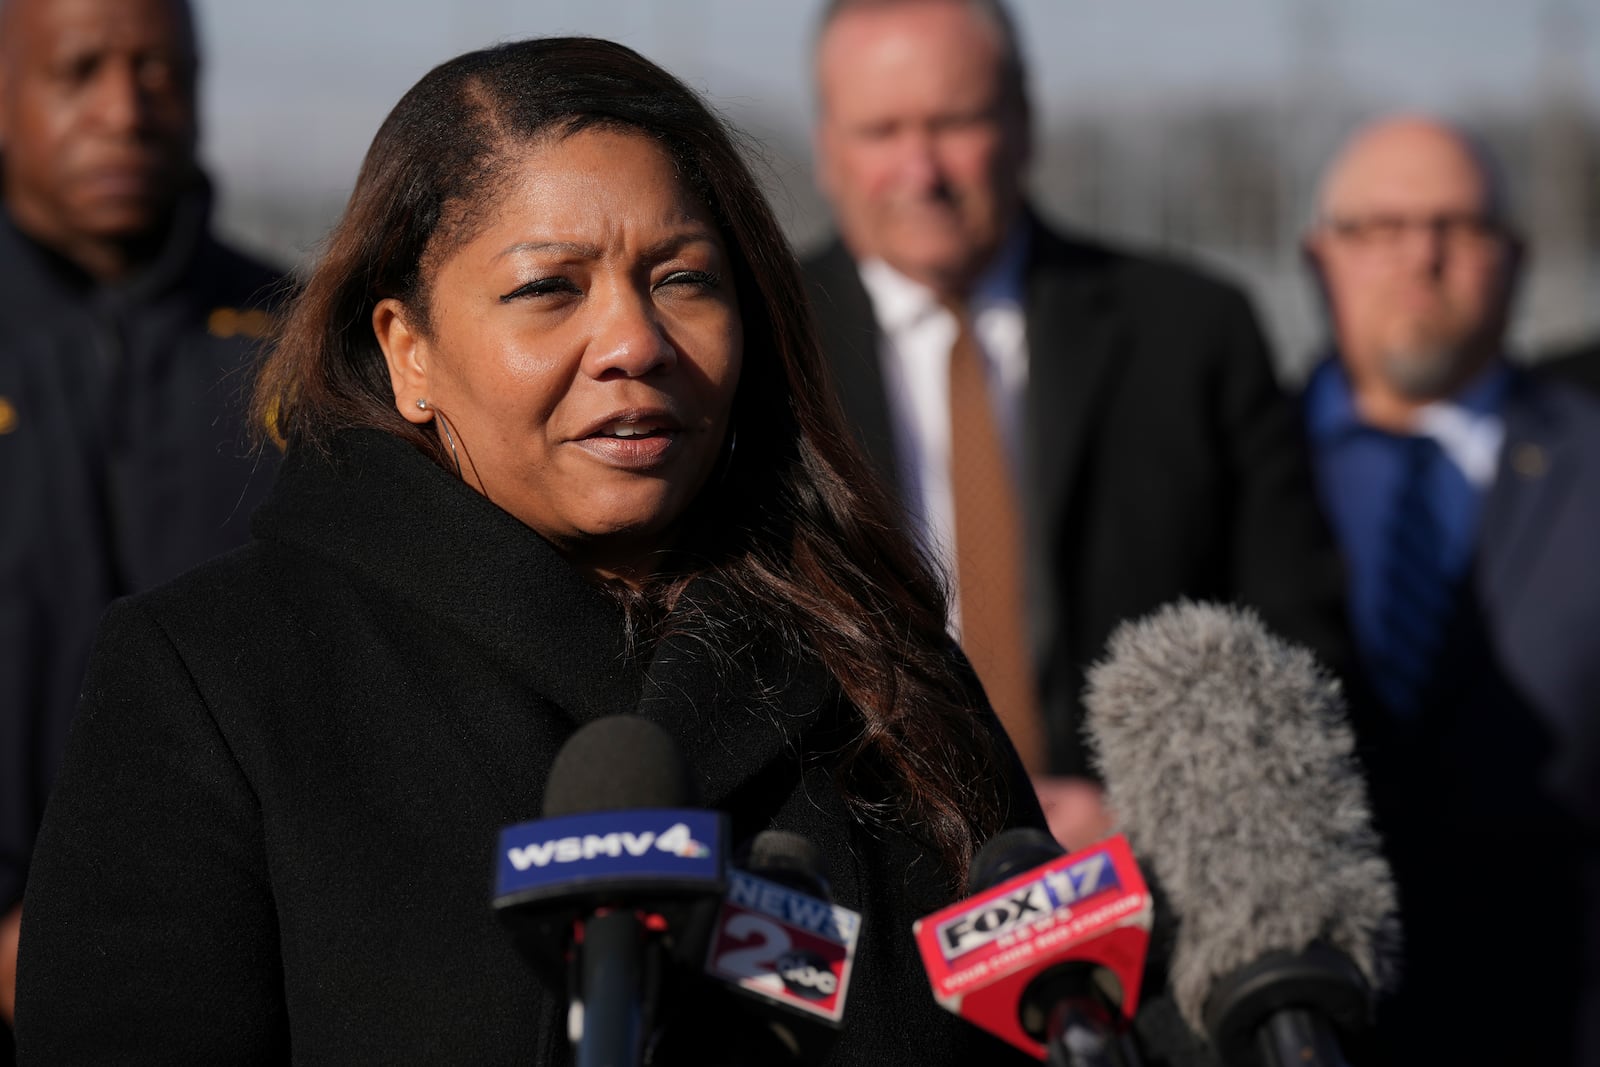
1407	150
97	120
1413	249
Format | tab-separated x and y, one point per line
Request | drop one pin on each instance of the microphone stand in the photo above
1289	1009
613	979
1298	1036
1083	1036
1082	1026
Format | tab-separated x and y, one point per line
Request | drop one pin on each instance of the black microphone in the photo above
1229	763
1075	1004
788	859
619	874
785	950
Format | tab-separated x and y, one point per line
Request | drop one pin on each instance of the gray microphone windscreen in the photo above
615	763
1229	765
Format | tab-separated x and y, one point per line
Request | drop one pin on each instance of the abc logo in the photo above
807	974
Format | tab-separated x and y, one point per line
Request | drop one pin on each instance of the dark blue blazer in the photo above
1490	802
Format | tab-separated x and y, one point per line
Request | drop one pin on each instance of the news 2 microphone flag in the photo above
779	938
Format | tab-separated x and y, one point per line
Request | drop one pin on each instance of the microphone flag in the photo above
1090	907
784	947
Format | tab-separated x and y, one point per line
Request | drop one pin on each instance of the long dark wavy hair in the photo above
796	533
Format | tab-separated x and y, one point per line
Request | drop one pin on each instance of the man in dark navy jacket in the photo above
126	334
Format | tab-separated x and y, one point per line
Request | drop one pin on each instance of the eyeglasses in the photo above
1384	230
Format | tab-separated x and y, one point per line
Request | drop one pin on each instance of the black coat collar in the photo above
377	508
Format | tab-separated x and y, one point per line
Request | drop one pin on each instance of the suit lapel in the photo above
1535	473
1073	335
849	335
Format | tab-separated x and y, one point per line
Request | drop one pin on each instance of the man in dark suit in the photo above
1124	407
1466	496
126	336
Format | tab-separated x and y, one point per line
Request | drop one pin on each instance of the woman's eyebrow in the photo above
689	235
572	248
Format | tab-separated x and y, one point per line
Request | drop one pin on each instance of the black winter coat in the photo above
274	831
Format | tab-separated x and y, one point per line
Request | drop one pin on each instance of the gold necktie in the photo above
990	579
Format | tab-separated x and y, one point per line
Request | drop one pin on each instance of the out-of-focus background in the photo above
1193	127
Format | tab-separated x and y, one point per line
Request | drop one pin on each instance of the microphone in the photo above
619	872
1048	951
1229	764
779	938
785	951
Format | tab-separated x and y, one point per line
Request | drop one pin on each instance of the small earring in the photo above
444	424
422	405
727	457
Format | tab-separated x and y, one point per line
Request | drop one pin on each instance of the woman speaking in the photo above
559	446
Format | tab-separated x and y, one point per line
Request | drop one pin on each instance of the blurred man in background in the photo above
1466	497
126	332
1079	434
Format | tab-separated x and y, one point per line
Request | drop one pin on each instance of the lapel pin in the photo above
1529	460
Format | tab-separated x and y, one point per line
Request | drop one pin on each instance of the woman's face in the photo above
583	347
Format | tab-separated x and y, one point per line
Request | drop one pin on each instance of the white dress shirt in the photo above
1470	436
917	333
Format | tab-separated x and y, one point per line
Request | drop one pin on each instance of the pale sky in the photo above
294	89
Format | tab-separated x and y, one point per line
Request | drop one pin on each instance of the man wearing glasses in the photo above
1466	498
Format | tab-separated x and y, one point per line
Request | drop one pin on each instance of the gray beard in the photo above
1424	372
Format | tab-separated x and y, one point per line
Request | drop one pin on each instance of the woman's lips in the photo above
632	443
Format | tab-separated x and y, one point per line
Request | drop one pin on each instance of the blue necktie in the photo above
1418	593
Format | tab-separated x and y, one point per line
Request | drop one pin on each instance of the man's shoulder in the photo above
32	286
235	276
1143	286
1061	253
843	310
1560	406
826	264
1579	365
1137	273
